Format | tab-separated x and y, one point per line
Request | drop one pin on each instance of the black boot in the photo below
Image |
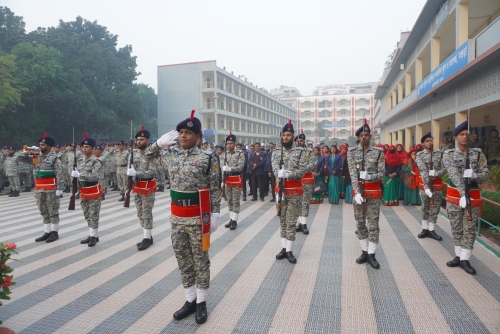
44	237
423	234
465	265
228	225
122	198
433	235
304	229
66	190
87	240
233	225
92	241
372	261
12	193
290	257
454	263
201	313
53	236
144	244
162	188
27	190
115	188
298	228
362	258
16	193
244	198
103	197
150	242
187	309
281	255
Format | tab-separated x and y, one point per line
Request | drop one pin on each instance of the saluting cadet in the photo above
307	184
100	153
122	157
12	171
430	214
294	167
25	174
194	182
89	172
49	185
373	173
464	230
233	168
144	171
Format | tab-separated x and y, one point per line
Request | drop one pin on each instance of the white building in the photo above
223	102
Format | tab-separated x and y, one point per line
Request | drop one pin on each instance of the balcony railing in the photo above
209	84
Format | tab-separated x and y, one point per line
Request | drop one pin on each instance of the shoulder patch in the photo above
449	150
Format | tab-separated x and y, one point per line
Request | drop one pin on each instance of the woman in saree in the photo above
346	179
319	173
410	180
343	153
393	166
334	181
327	167
403	156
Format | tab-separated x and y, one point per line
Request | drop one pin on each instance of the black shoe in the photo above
66	190
253	199
423	234
290	257
92	241
122	199
362	258
233	225
144	244
304	229
44	237
11	194
298	228
372	261
433	235
272	200
454	263
187	309
77	195
244	198
26	190
262	200
87	240
162	188
103	197
115	188
201	313
16	193
228	225
281	255
54	235
150	241
465	265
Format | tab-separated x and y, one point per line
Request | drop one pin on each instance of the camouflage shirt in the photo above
294	161
493	148
146	169
310	160
121	159
2	159
235	160
11	165
374	164
68	158
50	161
454	162
90	170
423	163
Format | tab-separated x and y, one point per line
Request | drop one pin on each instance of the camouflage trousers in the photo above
114	180
290	211
233	198
144	205
26	178
463	231
3	178
428	213
91	209
103	180
306	198
160	177
122	181
372	217
15	184
48	204
193	263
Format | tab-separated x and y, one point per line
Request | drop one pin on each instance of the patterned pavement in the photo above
65	287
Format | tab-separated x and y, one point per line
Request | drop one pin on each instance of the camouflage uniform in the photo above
2	168
295	163
112	167
25	172
375	166
106	170
189	171
308	187
90	171
493	150
70	156
235	161
146	169
122	159
464	232
64	167
423	162
12	171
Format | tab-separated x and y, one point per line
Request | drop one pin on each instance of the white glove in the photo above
222	185
226	168
213	222
282	173
365	176
131	171
463	202
359	199
75	173
428	192
432	173
59	193
469	173
168	138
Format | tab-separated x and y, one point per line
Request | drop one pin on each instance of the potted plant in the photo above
6	251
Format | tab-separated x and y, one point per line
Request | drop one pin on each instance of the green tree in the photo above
10	90
11	29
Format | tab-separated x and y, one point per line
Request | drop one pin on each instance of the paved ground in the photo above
65	287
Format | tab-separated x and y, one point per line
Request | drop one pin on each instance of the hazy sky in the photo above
275	42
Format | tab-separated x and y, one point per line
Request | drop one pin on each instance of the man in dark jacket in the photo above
269	170
241	147
256	162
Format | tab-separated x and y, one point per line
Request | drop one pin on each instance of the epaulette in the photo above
352	148
378	148
419	153
450	150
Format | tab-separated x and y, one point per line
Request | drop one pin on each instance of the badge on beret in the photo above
43	140
190	124
86	142
142	134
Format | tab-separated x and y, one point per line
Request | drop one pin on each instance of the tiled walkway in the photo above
65	287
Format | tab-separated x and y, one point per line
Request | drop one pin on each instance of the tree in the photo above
11	29
10	90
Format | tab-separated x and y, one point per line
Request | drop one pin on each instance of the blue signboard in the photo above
451	65
208	132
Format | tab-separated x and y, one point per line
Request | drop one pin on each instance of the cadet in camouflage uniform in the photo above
2	168
464	231
25	174
144	171
122	157
12	171
294	167
66	169
493	148
89	173
429	215
190	169
307	183
233	168
49	185
70	156
373	173
103	155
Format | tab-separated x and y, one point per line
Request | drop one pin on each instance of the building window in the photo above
342	113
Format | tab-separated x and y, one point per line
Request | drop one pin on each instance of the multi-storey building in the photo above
224	103
448	64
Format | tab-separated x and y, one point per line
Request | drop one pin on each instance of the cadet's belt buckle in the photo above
186	202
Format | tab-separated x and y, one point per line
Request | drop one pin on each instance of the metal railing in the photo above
485	221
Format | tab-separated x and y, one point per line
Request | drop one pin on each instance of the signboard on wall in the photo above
451	65
442	15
